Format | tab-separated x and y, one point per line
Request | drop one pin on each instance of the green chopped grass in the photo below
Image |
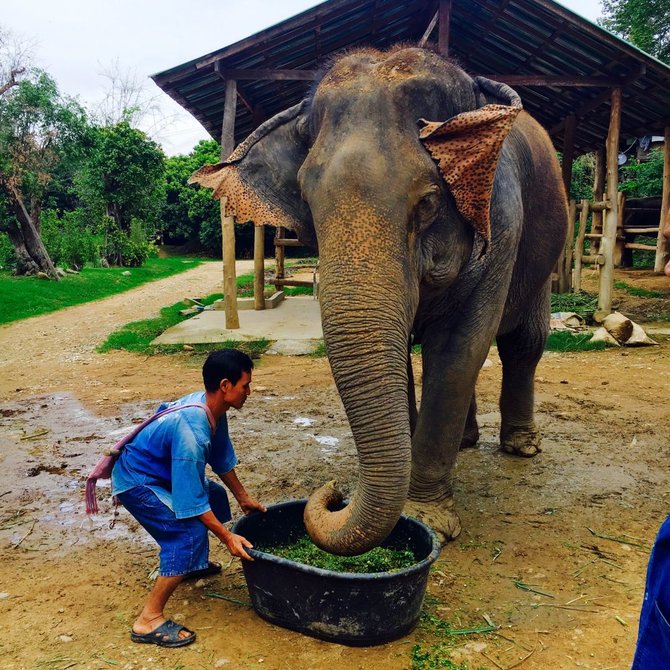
581	303
379	559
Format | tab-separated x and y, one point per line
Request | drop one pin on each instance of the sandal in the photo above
211	569
166	635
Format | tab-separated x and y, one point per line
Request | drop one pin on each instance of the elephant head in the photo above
387	168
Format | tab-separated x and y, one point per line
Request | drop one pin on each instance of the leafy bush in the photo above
131	250
643	179
68	239
7	255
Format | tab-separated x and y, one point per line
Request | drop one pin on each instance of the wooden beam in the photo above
663	242
429	30
611	218
586	109
444	22
564	80
272	75
228	222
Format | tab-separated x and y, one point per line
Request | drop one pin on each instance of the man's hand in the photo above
248	505
236	545
245	501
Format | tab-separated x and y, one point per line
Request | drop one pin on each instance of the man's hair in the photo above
225	364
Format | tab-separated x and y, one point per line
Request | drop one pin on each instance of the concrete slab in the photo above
295	319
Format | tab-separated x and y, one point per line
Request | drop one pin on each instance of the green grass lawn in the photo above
22	297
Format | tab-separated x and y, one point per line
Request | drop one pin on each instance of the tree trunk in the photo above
25	265
30	250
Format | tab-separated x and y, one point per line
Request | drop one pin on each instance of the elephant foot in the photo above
469	442
525	443
441	517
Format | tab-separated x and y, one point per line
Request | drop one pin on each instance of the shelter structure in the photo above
590	89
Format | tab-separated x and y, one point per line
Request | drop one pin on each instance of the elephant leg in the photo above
520	351
471	432
451	364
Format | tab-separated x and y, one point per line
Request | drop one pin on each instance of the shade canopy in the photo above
560	63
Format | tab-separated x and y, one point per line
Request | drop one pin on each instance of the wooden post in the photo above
663	244
565	262
568	151
598	194
259	267
620	239
562	283
443	28
279	257
228	222
579	246
611	218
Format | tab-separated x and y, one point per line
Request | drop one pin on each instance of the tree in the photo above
14	58
123	184
644	23
190	213
38	128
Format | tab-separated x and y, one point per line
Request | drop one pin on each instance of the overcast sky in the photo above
77	40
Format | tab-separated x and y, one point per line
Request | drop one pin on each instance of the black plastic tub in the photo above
345	607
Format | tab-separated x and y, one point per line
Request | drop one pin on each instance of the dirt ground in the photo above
70	586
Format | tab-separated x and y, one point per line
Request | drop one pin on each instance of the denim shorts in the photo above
184	543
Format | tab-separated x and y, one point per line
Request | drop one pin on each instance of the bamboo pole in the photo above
259	267
228	222
579	246
611	218
663	243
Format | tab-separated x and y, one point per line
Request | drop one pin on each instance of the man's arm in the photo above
246	502
236	543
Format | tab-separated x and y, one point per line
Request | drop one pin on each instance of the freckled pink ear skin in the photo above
466	149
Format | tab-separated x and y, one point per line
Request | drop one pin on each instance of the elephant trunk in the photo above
366	329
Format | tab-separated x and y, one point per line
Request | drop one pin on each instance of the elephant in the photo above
438	210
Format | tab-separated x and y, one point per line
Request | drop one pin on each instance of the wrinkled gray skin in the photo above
397	261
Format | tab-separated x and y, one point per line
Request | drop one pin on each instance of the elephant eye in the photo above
427	207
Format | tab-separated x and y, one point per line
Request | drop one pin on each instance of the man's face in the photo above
236	394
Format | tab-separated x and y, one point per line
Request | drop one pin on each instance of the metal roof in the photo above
511	40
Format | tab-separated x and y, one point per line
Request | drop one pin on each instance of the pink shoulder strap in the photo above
103	468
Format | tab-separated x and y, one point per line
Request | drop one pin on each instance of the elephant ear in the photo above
466	149
260	178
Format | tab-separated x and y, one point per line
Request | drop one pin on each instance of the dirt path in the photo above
70	587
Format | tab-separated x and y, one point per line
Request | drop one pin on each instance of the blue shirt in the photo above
170	454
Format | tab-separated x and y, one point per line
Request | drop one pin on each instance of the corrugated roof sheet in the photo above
488	37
